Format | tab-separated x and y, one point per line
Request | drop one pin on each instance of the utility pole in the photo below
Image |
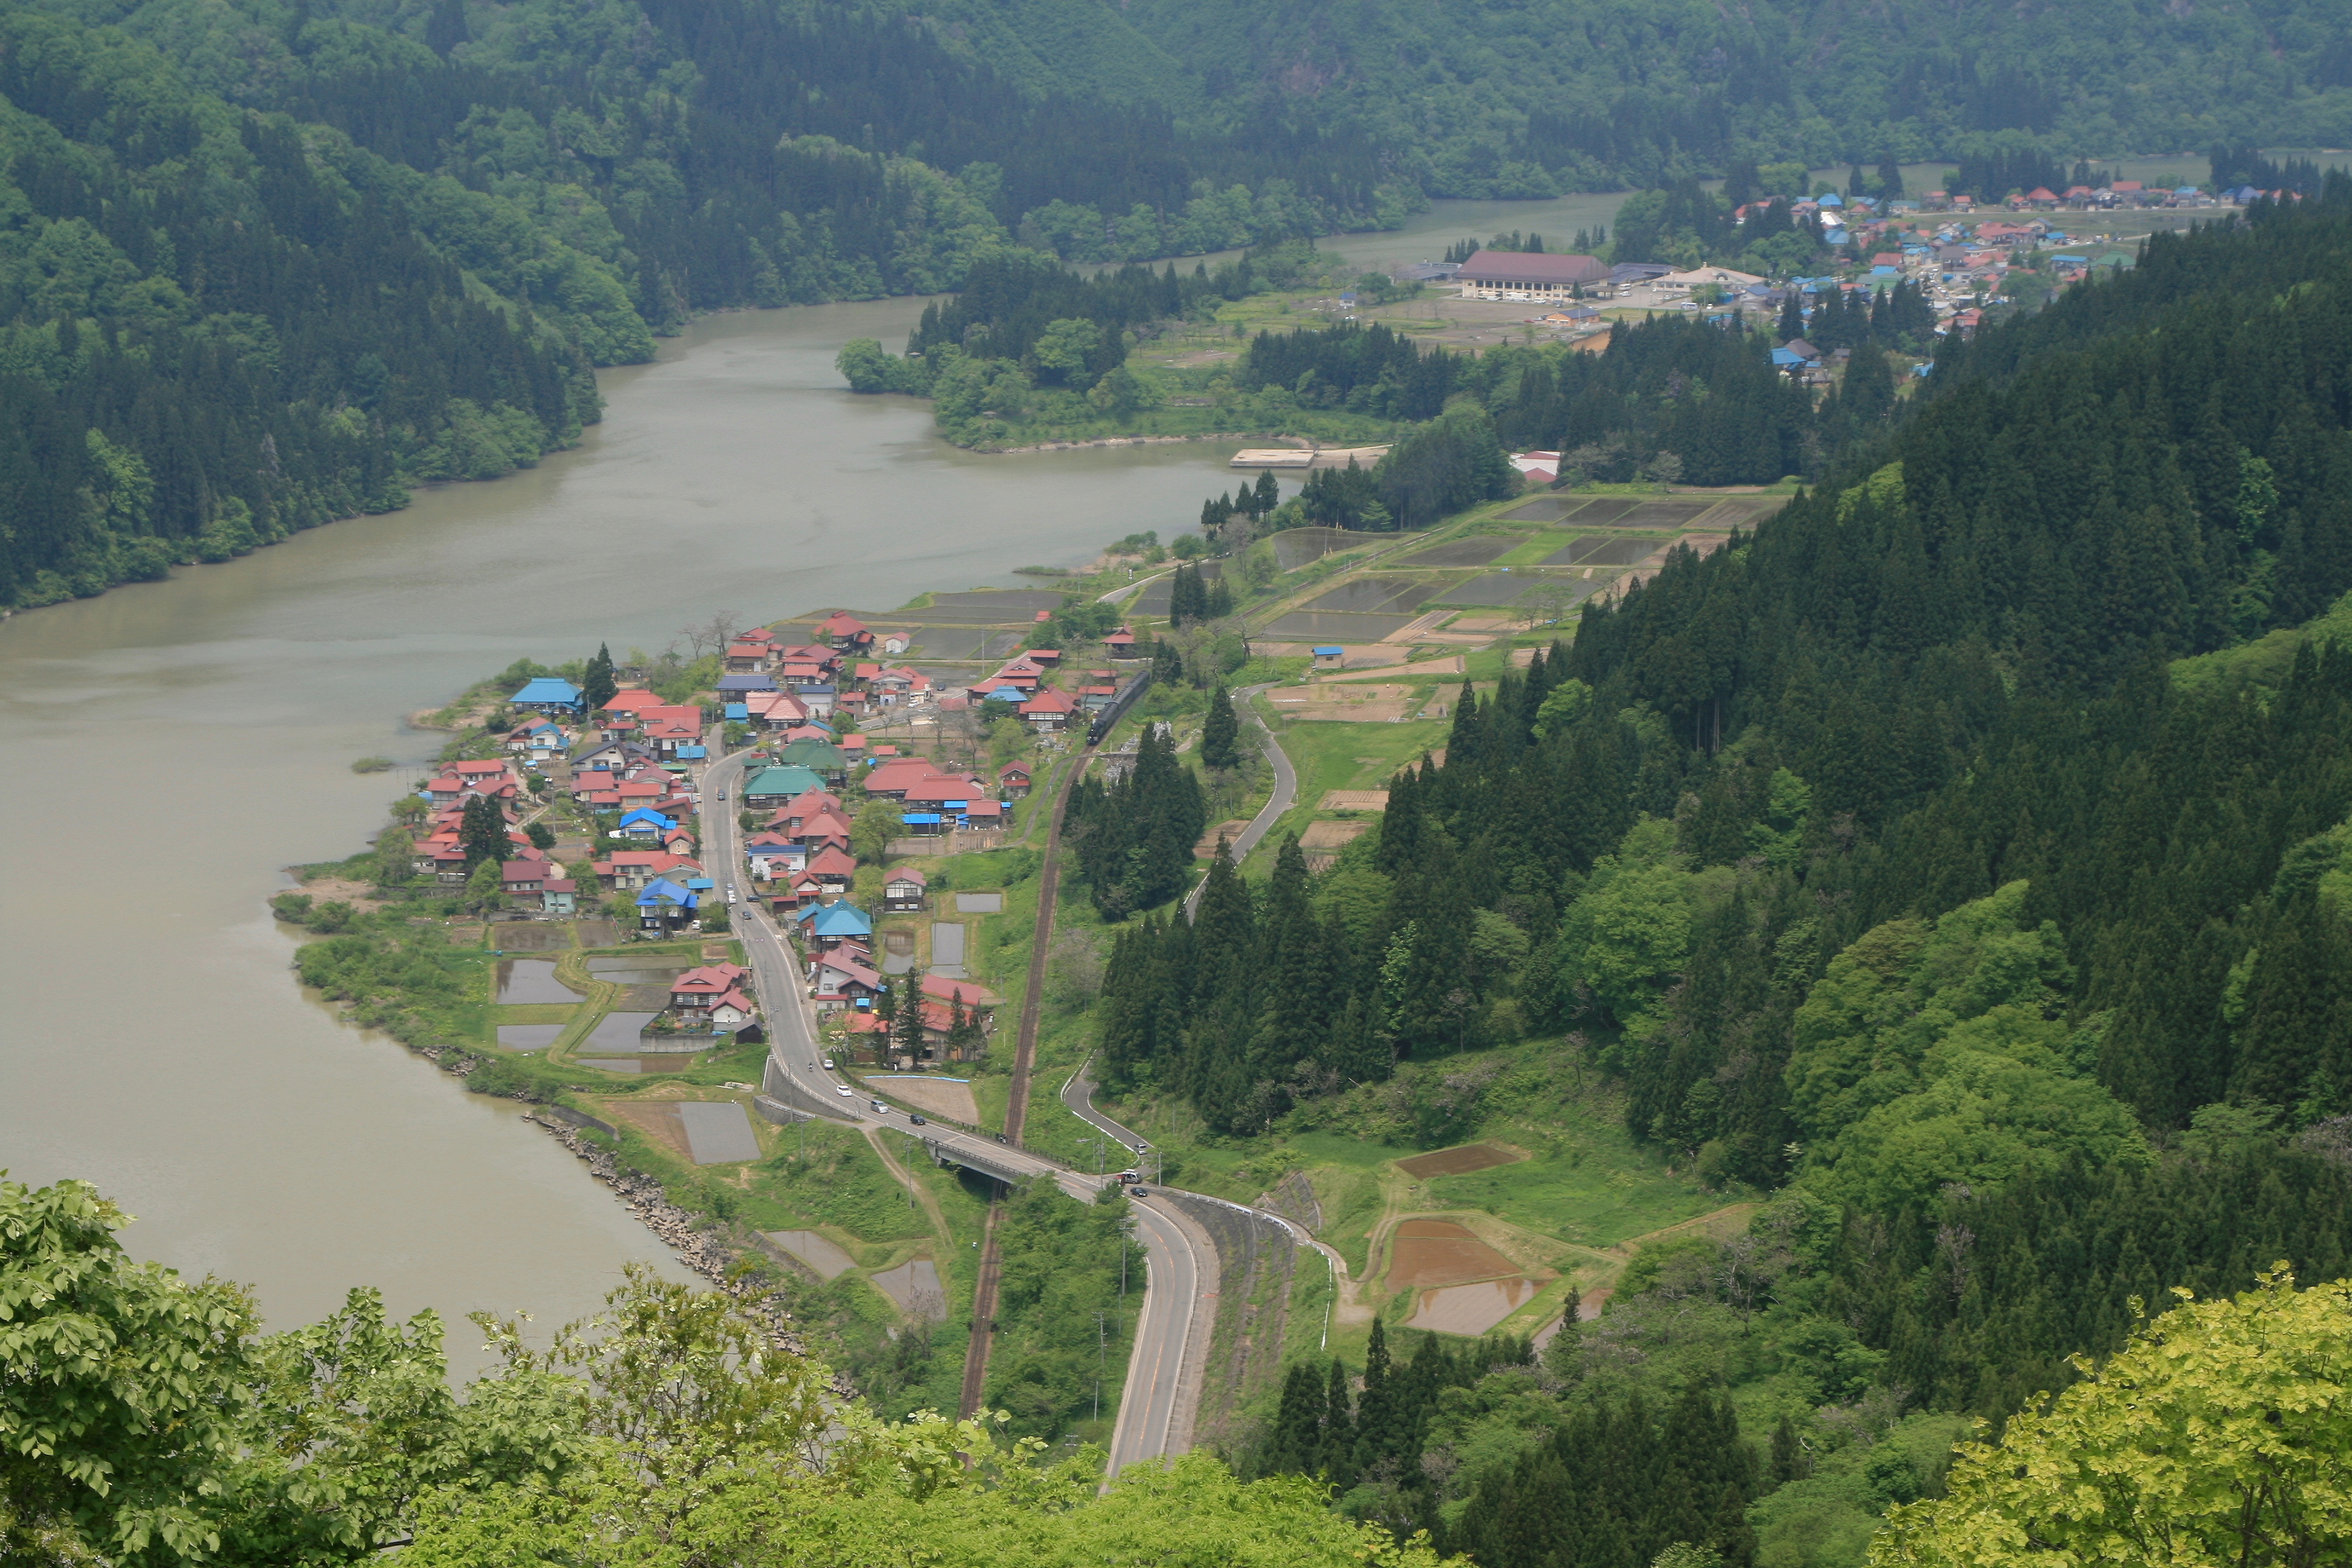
1102	1354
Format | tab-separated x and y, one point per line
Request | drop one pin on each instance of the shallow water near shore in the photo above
171	745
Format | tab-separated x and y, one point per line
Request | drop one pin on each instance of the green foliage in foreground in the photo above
144	1420
2222	1435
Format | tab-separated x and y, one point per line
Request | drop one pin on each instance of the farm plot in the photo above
528	980
1362	704
1494	588
1664	513
1550	508
1475	552
1295	547
1374	596
820	1252
1603	550
1461	1285
1326	627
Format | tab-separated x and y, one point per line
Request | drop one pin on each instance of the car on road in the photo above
1138	1193
828	1064
722	795
843	1090
915	1121
1131	1175
879	1109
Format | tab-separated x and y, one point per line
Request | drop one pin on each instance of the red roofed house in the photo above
795	813
1048	711
833	869
826	829
904	891
747	658
941	788
697	989
845	631
631	700
518	877
893	779
1013	778
631	869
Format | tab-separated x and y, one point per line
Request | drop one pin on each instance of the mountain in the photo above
1519	100
264	265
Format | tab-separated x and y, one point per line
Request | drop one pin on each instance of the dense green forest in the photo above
268	262
1963	855
1532	101
263	265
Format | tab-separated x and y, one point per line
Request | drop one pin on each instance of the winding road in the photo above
1285	792
1171	1333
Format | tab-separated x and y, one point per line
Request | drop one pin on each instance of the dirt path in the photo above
906	1178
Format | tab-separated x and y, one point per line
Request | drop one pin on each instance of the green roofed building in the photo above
773	787
820	757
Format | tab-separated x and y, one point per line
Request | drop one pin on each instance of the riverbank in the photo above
263	680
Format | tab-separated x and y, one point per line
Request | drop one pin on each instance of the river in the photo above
171	745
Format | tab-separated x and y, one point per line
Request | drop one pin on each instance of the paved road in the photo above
1152	1412
1148	1424
1285	791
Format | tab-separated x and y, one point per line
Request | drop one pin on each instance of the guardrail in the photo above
867	1086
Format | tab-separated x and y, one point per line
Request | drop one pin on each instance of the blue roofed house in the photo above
548	694
731	688
646	823
830	925
665	906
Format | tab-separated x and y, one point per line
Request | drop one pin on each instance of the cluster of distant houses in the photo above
631	760
1952	264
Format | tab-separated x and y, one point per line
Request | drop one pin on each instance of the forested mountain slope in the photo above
262	265
1964	854
1496	100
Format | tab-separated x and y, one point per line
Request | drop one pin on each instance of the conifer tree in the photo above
482	831
1267	496
1337	1456
599	686
1219	731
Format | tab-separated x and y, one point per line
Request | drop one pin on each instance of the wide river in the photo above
170	746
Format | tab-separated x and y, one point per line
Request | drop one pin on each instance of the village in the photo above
604	822
1962	254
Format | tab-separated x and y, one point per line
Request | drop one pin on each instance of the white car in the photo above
843	1089
828	1064
879	1109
